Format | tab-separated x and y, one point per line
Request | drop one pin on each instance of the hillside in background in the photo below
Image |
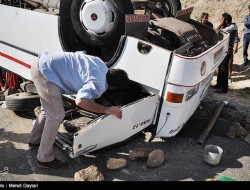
237	8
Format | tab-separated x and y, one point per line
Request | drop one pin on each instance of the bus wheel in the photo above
23	101
100	23
162	8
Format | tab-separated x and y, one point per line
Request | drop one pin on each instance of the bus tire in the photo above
108	39
173	6
24	101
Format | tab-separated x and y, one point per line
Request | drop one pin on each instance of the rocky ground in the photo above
183	159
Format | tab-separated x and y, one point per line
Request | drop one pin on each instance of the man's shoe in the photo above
55	164
220	91
245	62
215	86
31	145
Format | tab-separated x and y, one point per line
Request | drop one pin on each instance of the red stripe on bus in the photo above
15	60
180	85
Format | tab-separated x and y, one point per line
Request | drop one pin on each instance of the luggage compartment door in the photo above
108	130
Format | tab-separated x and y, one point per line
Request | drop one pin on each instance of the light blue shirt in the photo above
75	73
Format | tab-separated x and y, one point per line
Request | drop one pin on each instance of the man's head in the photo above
204	18
117	78
227	18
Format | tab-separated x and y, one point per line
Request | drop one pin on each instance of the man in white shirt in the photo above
226	25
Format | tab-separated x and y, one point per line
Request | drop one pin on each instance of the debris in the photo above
116	163
70	126
155	158
225	178
139	153
3	174
231	133
211	179
221	178
145	168
243	121
37	110
240	132
247	138
89	174
236	130
118	179
230	105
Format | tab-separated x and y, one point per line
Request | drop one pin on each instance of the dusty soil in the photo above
183	160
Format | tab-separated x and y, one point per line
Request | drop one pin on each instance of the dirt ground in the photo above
183	159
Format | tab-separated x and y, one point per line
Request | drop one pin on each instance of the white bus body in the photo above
176	84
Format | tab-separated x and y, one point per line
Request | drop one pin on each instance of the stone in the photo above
247	138
116	163
138	153
241	132
89	174
156	158
236	130
231	134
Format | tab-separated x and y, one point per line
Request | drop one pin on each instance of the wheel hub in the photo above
94	17
97	16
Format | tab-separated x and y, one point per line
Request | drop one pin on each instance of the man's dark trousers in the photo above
246	41
222	77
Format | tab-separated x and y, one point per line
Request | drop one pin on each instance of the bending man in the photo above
70	73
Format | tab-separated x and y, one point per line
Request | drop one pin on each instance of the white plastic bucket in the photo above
212	154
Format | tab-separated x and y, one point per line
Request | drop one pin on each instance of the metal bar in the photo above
88	114
65	139
205	133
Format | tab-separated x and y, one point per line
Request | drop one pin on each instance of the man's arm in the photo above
236	43
92	106
235	49
219	27
222	22
229	28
